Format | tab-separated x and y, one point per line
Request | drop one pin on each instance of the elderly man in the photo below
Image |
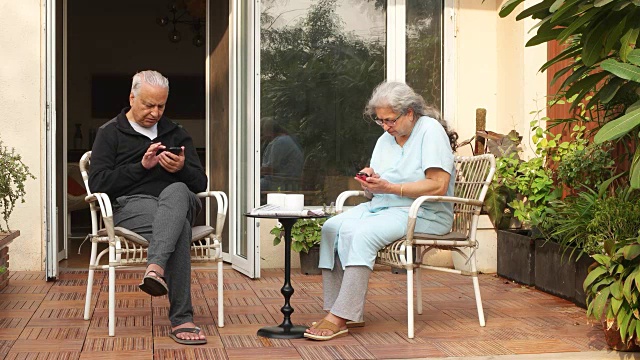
149	165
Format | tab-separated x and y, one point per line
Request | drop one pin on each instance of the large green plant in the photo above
13	175
613	288
604	67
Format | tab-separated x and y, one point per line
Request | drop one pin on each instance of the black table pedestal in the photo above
286	330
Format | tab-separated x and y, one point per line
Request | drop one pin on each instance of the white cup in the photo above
277	199
294	202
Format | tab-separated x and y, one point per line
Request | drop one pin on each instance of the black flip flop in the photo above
154	285
195	330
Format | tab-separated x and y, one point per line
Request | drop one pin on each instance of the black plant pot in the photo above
555	273
560	274
516	256
309	261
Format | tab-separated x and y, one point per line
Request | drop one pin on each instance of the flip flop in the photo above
350	324
326	325
153	285
194	330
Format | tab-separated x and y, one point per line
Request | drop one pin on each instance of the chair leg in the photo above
476	289
419	289
92	263
112	292
410	303
220	295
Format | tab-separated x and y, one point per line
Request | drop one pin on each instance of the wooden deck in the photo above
43	320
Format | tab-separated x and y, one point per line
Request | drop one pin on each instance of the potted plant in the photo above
305	239
613	290
13	175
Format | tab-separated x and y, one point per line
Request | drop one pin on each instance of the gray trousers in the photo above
166	223
345	290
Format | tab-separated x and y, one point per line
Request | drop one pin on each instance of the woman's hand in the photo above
376	185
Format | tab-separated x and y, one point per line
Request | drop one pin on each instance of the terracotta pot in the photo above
614	341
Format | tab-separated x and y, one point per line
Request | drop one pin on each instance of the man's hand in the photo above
171	162
149	159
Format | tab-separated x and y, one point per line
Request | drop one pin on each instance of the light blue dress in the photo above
357	235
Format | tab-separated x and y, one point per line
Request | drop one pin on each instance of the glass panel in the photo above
320	60
424	49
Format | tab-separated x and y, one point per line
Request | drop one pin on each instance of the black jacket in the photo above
116	167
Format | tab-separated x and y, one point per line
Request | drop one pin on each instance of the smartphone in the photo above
362	176
173	149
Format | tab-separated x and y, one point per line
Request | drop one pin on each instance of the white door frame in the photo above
244	106
51	224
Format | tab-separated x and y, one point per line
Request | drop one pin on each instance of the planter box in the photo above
560	275
5	240
516	256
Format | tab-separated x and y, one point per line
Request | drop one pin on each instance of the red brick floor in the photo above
44	320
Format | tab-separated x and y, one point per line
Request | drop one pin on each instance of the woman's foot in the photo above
153	282
188	334
324	331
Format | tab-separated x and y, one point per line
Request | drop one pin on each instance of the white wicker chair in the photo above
473	176
126	248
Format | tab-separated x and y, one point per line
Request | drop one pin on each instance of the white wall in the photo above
21	126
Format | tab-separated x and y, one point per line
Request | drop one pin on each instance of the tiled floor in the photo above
43	320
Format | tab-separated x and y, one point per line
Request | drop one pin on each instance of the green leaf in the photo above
556	5
542	6
628	42
558	75
602	259
634	173
634	57
508	7
615	305
592	276
625	71
631	251
626	289
569	9
601	3
544	37
564	54
616	289
575	25
600	302
610	90
588	83
618	127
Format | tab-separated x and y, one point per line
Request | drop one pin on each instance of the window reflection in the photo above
320	60
424	49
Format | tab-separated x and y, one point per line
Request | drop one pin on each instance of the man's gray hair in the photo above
400	97
150	77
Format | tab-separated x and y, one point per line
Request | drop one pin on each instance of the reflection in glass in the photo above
320	60
282	158
424	49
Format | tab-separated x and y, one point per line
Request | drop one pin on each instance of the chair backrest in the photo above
85	162
473	177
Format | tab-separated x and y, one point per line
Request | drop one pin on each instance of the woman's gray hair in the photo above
150	77
400	97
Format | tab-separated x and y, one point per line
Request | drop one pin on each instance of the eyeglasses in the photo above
386	121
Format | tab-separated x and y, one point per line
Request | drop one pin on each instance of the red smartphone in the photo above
362	176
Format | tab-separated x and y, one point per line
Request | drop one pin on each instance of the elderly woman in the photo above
414	157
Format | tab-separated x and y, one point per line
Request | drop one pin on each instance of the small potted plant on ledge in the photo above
305	239
13	175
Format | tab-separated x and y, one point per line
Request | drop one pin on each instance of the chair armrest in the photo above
223	205
413	210
344	196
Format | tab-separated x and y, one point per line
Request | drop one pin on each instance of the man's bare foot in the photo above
338	321
188	335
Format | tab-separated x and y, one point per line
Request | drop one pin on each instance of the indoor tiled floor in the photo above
44	320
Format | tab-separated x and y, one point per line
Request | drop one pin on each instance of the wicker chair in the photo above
126	248
473	176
